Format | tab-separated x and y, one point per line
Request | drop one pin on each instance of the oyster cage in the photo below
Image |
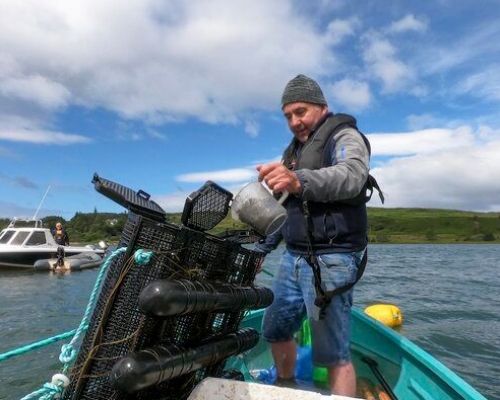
206	207
139	346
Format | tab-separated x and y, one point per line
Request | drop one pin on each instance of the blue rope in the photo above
47	392
33	346
142	257
265	271
68	352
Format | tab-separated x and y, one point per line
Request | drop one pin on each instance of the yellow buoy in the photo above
388	314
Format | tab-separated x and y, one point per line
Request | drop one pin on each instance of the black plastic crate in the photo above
118	328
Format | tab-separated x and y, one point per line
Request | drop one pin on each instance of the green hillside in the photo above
414	225
386	225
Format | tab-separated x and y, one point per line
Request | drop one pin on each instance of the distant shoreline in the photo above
386	226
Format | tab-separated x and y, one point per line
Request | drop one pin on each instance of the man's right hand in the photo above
279	178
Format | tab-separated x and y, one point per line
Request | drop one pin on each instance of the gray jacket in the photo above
340	175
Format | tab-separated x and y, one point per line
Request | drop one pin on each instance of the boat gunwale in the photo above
408	349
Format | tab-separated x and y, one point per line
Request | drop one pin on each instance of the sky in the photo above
165	95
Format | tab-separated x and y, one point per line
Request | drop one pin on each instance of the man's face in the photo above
303	117
58	226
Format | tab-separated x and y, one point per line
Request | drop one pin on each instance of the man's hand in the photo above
279	178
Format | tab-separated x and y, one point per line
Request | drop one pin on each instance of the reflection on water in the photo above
448	295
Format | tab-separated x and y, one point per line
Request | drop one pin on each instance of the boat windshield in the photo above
7	236
25	223
37	238
20	237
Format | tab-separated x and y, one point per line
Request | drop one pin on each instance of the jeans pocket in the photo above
337	269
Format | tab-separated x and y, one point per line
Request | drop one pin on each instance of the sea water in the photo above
449	296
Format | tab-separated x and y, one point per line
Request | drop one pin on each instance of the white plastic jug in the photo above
256	206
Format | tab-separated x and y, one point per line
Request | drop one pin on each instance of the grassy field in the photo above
414	225
386	225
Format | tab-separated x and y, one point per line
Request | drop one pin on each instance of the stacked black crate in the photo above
144	343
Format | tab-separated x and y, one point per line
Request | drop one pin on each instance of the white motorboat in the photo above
26	244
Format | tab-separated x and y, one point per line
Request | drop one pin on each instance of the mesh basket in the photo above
118	328
206	207
242	236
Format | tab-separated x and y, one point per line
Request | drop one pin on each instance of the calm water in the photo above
449	295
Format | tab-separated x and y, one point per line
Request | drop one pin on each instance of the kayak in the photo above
388	365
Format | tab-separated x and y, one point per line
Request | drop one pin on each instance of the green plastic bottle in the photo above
320	374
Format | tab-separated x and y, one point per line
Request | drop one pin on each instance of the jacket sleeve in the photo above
347	175
269	243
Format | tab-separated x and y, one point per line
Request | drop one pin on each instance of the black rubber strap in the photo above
376	371
359	274
371	184
324	298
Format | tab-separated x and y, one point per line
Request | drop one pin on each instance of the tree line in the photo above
386	225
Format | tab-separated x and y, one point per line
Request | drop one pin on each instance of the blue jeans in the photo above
294	296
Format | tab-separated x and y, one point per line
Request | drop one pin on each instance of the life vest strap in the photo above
324	297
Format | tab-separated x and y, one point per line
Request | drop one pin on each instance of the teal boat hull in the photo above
411	372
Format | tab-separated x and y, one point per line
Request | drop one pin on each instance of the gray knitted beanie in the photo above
304	89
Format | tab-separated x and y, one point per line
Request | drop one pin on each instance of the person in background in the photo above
60	235
325	169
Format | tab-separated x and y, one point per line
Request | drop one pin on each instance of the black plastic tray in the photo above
138	202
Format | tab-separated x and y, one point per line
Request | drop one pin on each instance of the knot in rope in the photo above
143	257
48	391
68	353
52	390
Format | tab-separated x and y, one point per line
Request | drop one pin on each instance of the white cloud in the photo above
353	95
484	84
475	48
36	88
229	175
381	61
338	29
19	129
174	202
158	60
156	135
427	141
252	127
41	136
465	178
171	202
422	121
440	168
408	23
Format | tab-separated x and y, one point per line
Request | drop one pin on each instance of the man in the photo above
325	170
60	235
